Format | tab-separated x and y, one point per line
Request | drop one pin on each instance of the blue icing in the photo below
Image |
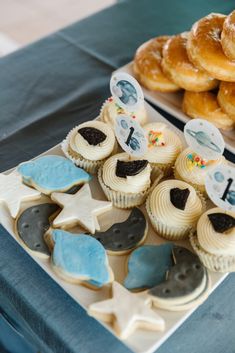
147	266
52	173
80	255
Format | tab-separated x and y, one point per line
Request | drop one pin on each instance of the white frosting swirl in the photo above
130	184
195	175
212	241
163	209
111	110
166	153
94	153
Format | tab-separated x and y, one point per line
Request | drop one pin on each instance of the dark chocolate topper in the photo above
32	225
179	197
221	222
131	168
126	235
92	135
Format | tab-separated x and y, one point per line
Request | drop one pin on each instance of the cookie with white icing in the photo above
79	258
13	192
187	283
52	173
123	237
79	209
89	144
32	224
126	312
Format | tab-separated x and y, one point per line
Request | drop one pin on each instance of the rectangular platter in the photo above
171	103
142	341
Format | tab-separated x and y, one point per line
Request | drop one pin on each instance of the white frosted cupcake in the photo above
110	110
164	145
126	181
88	145
191	168
214	241
174	208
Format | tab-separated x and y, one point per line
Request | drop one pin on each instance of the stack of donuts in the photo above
202	62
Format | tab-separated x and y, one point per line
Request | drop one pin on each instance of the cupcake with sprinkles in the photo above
111	109
174	208
192	168
214	240
88	145
126	181
164	145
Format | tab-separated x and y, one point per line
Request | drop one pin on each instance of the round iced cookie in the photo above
32	224
110	110
214	241
124	180
52	173
79	258
186	285
193	169
164	145
89	144
123	237
174	208
147	266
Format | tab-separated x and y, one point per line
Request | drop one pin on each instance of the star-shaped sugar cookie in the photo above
79	208
13	192
126	311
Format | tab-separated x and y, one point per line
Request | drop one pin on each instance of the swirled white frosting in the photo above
130	184
163	209
195	175
212	241
166	153
111	110
94	153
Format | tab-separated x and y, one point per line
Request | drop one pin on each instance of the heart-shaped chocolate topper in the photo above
92	135
131	168
179	197
221	222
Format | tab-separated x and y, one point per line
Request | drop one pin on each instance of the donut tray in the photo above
142	341
171	103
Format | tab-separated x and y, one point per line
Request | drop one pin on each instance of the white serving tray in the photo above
141	341
171	103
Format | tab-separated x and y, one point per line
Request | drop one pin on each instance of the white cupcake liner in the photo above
127	200
215	263
168	232
200	188
88	165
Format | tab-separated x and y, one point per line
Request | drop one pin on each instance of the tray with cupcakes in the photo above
119	215
192	74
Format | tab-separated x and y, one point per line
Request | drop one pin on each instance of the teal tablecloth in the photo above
47	88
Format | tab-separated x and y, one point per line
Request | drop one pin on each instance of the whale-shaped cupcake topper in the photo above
80	258
122	237
52	173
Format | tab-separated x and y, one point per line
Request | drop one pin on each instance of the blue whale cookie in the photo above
52	173
148	265
80	258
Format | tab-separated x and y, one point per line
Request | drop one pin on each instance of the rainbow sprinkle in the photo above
194	160
155	138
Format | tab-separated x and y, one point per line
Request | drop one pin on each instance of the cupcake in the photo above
191	168
164	145
88	145
174	208
126	181
110	110
214	240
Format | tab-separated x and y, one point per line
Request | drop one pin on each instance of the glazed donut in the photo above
177	67
147	66
204	105
205	50
226	98
228	36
